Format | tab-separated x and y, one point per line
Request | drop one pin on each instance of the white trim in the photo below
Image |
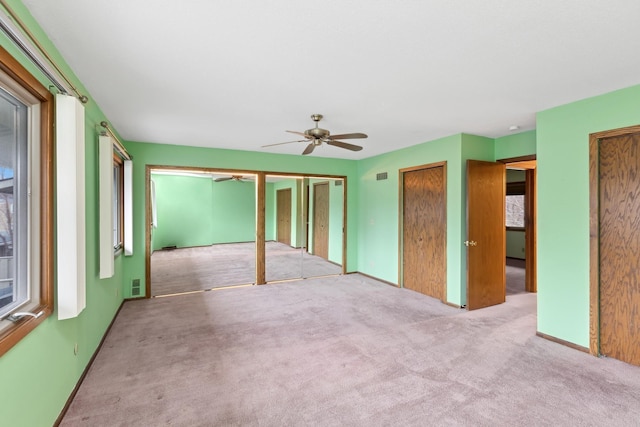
70	214
105	181
128	208
154	208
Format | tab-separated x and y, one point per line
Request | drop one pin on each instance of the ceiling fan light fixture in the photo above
316	136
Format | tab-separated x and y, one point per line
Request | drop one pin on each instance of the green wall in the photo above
233	211
39	373
196	211
515	244
184	209
336	223
515	145
563	206
379	206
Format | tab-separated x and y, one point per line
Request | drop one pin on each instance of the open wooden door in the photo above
486	235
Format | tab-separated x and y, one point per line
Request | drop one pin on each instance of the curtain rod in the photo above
118	144
83	98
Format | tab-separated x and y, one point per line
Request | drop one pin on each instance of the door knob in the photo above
470	243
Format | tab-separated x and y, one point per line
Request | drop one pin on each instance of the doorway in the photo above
614	169
487	229
520	222
423	245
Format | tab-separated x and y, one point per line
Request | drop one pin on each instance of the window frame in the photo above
13	333
516	189
118	191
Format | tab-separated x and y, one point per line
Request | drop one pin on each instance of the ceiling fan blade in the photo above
309	149
349	136
280	143
297	133
344	145
228	178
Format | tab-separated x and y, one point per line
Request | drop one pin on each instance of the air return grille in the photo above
381	176
135	288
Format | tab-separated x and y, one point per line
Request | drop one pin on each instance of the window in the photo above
14	128
114	171
118	202
515	206
26	202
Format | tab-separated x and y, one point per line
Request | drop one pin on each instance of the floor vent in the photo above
381	176
135	288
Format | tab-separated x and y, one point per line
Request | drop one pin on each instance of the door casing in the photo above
594	231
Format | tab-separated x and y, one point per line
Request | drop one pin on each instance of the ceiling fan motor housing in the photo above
316	133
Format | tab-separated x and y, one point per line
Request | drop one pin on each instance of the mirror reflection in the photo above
202	232
304	227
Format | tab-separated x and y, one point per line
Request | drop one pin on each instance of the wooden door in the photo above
283	215
486	234
619	247
424	231
321	220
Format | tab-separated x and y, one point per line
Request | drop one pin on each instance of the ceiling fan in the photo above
238	178
316	136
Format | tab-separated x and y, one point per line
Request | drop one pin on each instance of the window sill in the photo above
13	333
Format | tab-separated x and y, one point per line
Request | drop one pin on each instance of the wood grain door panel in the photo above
283	206
619	247
424	220
486	234
321	220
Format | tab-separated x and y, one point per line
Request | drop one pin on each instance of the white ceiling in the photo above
237	74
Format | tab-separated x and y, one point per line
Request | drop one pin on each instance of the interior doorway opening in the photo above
520	224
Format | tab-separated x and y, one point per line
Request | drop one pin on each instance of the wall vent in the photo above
135	288
338	183
381	176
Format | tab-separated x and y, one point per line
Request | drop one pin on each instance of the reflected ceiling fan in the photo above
238	178
316	136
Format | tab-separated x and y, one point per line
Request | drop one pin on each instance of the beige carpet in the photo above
515	276
344	351
206	267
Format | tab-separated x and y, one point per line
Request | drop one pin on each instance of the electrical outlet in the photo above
116	292
75	349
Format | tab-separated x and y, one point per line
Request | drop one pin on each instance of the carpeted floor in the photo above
206	267
515	276
344	351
